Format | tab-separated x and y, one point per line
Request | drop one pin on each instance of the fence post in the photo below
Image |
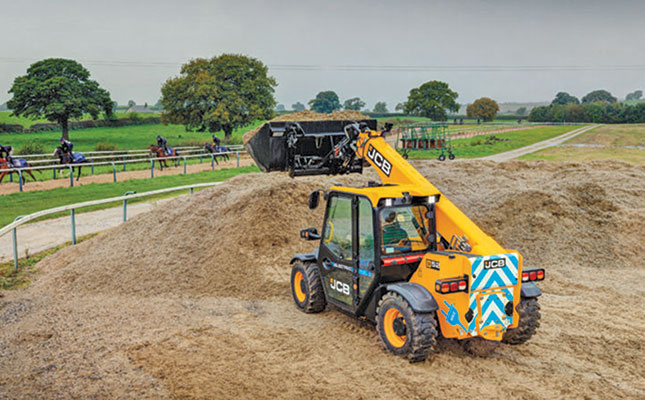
212	161
125	205
11	177
92	166
54	173
71	176
19	178
15	244
238	158
113	172
124	164
191	190
200	158
152	168
73	226
184	165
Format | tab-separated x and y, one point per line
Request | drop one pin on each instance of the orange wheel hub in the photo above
298	287
394	327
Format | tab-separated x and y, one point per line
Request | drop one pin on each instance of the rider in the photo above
216	142
392	231
66	146
6	152
162	143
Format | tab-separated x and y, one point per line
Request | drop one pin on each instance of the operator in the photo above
162	143
66	146
6	152
392	231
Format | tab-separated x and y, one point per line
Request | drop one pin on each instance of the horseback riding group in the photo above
66	156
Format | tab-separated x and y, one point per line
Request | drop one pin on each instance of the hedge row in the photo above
606	113
73	125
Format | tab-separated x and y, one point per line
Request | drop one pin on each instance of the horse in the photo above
21	163
158	151
221	151
64	158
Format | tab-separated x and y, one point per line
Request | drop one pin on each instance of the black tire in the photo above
309	297
418	331
405	156
442	157
451	156
529	312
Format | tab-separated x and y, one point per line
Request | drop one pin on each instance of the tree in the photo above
599	96
431	100
325	102
298	106
355	104
280	108
521	111
221	93
58	89
635	95
131	103
380	107
564	98
484	108
399	107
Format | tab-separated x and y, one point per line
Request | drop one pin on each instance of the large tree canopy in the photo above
58	89
355	103
564	98
380	107
635	95
431	100
223	93
325	102
298	106
484	108
599	96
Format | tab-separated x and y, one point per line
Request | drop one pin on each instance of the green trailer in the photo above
434	136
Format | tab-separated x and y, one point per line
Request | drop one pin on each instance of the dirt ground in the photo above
196	303
12	187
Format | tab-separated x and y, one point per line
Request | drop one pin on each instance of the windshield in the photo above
404	229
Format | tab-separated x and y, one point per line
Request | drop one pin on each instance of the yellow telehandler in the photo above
398	253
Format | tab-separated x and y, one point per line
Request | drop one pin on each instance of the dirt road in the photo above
510	155
43	235
196	303
6	188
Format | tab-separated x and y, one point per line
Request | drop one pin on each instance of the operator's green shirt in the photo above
393	234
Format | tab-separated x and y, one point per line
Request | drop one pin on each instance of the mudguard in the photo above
530	289
419	298
305	257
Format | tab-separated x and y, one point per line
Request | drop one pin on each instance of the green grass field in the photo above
125	138
475	147
611	137
7	118
15	204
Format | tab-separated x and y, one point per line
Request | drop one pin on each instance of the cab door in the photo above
337	257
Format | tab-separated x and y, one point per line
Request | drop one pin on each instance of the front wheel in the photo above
306	288
403	331
529	313
442	157
451	156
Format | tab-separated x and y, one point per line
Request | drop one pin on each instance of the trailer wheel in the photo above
403	331
451	156
405	156
529	312
442	157
306	288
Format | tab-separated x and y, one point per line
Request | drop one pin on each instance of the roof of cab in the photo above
376	193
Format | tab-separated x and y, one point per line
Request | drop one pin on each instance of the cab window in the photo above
404	229
338	228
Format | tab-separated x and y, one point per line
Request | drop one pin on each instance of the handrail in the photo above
26	218
125	152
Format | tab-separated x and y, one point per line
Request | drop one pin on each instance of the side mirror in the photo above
314	199
310	234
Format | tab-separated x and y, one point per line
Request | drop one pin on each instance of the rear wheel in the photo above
442	157
529	312
403	331
306	288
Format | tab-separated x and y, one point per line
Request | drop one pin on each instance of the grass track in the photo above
15	204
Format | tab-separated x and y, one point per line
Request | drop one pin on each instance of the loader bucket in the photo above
301	147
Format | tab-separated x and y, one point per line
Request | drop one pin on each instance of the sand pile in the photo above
309	115
193	302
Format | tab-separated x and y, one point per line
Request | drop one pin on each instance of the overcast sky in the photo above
510	50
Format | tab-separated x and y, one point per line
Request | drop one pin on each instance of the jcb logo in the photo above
380	161
339	286
498	263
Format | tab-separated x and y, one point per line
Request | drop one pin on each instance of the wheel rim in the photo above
298	284
392	322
